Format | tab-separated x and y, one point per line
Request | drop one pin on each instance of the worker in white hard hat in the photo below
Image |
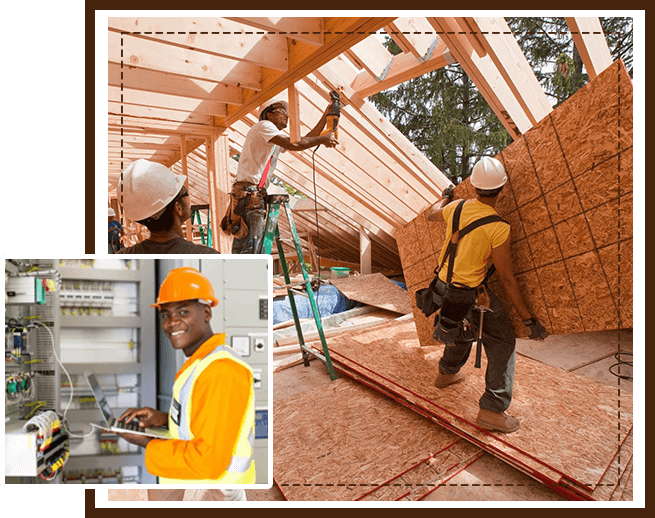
114	233
461	289
246	214
152	195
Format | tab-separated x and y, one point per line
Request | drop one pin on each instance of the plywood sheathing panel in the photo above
568	423
569	202
375	290
360	440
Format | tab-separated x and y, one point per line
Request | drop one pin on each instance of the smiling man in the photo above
246	214
211	418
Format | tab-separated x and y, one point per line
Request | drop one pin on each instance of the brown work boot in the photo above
443	380
497	421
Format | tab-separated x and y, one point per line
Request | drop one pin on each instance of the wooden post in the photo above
294	114
364	251
218	173
185	172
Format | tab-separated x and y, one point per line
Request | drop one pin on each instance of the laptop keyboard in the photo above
133	425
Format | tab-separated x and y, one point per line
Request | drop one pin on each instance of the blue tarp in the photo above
329	300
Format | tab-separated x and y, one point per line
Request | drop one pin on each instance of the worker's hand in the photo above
328	139
537	331
133	438
448	192
147	417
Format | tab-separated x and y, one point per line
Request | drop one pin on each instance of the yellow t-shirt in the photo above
474	249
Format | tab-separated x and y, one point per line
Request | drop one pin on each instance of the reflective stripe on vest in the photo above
242	466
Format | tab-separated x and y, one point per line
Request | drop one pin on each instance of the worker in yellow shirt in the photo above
476	239
212	415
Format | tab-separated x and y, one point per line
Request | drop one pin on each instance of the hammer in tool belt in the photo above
482	305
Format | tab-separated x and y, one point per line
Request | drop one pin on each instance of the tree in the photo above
443	114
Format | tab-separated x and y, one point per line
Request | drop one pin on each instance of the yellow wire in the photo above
38	404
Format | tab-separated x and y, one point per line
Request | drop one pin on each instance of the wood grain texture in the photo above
568	423
569	195
375	290
360	441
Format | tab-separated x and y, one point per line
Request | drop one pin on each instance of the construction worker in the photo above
246	214
152	195
212	416
114	233
486	244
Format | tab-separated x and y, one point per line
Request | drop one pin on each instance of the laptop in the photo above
118	426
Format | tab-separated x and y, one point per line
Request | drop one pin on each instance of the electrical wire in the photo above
619	363
318	236
70	399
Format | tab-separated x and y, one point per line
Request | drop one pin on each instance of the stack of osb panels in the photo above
574	431
569	202
360	446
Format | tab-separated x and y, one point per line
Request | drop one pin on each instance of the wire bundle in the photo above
19	387
47	423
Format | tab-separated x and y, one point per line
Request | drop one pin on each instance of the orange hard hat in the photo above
185	284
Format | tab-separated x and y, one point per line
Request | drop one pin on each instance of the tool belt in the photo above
233	223
453	301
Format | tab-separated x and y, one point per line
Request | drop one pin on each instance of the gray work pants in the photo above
499	346
255	219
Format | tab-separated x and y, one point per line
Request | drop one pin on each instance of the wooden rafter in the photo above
591	44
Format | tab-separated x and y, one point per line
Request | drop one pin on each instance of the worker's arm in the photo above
502	259
305	142
220	401
436	213
312	139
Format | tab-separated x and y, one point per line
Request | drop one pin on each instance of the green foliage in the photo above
566	79
443	114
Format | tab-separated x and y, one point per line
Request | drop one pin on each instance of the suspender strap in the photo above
265	173
457	235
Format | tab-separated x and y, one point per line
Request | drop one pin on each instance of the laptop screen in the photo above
100	399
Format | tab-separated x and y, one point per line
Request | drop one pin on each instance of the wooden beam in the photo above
371	55
414	35
591	44
340	35
155	81
403	68
306	29
294	114
212	186
149	112
185	172
499	42
485	75
144	126
223	187
432	180
152	55
364	251
215	36
166	102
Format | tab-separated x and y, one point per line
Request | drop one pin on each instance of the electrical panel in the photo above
36	442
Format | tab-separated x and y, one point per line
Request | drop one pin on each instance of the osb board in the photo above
569	203
375	290
568	423
121	495
615	478
358	440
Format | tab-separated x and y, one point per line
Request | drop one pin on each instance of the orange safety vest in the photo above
242	466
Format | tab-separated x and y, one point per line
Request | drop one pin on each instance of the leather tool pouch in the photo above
450	325
428	300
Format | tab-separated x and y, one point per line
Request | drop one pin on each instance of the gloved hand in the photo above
448	192
537	331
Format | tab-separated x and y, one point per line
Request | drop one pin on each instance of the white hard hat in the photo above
146	188
111	212
488	174
271	102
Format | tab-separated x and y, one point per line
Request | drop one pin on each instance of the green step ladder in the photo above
195	210
271	232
